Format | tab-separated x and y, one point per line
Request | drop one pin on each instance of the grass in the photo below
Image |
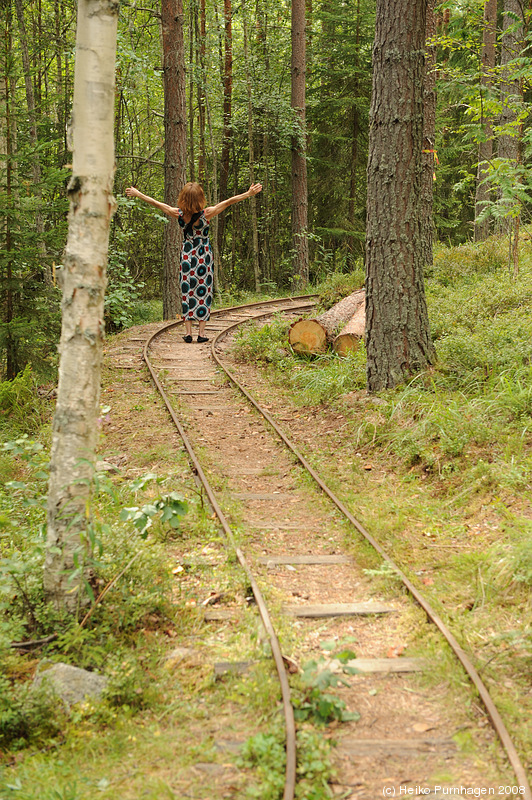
440	469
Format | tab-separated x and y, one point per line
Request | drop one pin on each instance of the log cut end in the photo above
307	336
346	343
349	338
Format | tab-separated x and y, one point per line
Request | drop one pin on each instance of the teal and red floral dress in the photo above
196	267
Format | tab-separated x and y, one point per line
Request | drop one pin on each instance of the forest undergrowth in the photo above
458	441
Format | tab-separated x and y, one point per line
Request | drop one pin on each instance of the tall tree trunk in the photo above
175	152
355	132
227	112
214	198
202	162
35	158
251	151
192	28
485	148
512	46
6	167
268	259
397	328
300	261
83	284
429	136
509	144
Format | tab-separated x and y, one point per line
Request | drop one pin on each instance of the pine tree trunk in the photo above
83	284
175	153
200	37
300	261
429	136
397	328
35	158
485	148
227	113
251	161
192	159
509	144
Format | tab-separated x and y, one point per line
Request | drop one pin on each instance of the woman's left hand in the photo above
254	189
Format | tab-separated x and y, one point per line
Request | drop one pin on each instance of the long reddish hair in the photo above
191	198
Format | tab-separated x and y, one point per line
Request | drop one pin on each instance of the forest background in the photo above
463	427
241	126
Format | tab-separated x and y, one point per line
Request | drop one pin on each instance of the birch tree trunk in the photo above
83	284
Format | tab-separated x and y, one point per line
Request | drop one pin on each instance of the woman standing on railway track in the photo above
196	263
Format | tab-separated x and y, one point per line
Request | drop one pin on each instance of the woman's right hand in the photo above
131	191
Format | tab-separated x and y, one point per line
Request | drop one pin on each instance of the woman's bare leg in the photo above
188	327
202	324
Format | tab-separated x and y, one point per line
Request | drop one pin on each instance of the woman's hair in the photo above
191	198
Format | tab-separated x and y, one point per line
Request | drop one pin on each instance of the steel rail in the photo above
290	727
462	656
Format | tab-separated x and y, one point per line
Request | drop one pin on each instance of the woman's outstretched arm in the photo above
131	191
213	211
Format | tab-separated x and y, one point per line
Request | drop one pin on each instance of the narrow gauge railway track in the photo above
190	374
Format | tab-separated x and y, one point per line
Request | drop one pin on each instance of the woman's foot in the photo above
187	338
202	339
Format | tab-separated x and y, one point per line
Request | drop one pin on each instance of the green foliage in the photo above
338	285
171	508
20	403
123	293
263	343
265	753
27	715
316	703
328	376
317	381
128	684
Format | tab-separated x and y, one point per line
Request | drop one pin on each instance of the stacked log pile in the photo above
341	327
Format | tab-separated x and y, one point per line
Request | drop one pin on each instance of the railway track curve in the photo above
192	374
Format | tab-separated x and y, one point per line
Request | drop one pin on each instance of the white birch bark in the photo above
83	284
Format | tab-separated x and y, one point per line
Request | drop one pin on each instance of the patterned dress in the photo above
196	268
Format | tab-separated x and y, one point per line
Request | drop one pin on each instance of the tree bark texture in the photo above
7	149
227	79
512	47
397	328
485	148
251	160
315	335
429	135
175	153
83	284
36	162
300	262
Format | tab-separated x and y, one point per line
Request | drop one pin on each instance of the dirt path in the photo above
411	728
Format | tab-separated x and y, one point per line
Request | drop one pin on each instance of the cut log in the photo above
313	336
352	333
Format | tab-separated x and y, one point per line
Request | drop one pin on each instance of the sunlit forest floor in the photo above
439	470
